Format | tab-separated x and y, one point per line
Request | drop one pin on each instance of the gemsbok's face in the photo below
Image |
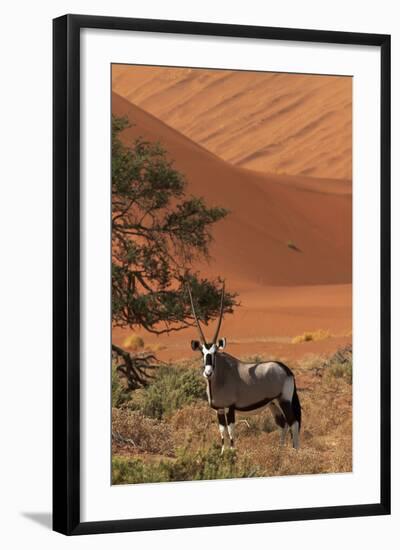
209	352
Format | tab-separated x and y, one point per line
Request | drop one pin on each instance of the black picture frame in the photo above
66	273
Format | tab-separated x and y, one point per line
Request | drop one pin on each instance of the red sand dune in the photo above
267	212
269	122
282	291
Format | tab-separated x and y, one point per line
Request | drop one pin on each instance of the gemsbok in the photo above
235	386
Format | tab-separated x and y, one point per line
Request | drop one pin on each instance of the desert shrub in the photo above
305	337
311	336
187	466
341	370
173	388
194	425
133	342
342	355
135	470
209	464
340	364
141	434
120	394
286	462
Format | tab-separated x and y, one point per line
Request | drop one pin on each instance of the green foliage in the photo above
209	464
187	466
172	389
135	470
157	233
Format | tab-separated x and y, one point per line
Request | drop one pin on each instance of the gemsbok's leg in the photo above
280	421
291	420
295	434
230	418
285	402
222	426
284	432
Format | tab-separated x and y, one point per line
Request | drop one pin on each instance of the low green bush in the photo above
209	464
172	389
188	466
135	470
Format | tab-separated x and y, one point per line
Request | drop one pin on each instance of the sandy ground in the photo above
266	322
270	122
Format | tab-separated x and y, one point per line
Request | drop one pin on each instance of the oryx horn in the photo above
220	314
203	340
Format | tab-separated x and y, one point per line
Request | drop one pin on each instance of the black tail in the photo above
296	406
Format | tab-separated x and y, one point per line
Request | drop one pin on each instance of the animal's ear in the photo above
195	345
221	343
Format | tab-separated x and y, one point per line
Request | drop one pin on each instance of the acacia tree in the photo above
157	233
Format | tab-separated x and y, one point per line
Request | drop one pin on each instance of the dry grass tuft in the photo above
194	427
311	336
133	433
133	342
290	244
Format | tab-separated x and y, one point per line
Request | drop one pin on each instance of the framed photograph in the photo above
221	274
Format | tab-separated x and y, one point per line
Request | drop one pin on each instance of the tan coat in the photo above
245	386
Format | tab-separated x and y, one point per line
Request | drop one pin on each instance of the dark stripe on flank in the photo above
255	406
216	408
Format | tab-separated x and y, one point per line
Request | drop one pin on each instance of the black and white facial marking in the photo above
209	352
